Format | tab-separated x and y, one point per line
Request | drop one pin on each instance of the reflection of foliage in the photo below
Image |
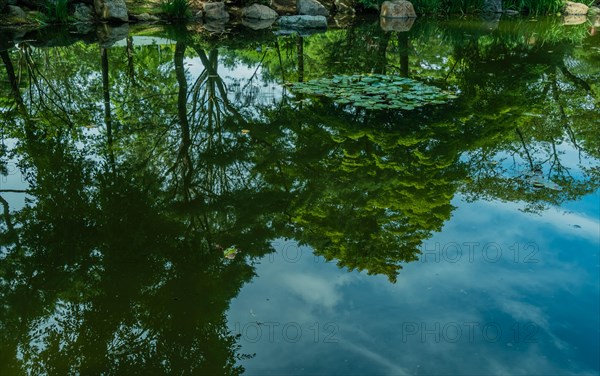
375	91
117	263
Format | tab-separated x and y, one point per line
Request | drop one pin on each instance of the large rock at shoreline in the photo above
397	9
215	11
572	8
573	19
111	10
311	8
303	22
83	13
259	12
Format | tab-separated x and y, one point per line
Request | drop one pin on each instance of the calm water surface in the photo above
454	238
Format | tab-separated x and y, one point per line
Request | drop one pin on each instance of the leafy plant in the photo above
375	91
176	8
57	10
534	6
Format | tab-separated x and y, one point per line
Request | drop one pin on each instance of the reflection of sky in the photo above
442	316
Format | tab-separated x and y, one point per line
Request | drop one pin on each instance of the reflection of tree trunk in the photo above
9	224
381	58
14	87
210	64
184	154
403	50
10	71
563	115
300	56
280	60
106	94
130	66
107	112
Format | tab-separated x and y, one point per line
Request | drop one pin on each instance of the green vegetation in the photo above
176	9
57	11
534	6
175	180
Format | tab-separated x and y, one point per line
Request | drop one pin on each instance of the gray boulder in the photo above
111	10
397	9
303	22
83	13
215	11
259	12
311	8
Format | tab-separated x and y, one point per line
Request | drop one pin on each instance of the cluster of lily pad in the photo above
375	91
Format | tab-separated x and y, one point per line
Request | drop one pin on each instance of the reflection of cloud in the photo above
376	358
371	312
314	289
525	312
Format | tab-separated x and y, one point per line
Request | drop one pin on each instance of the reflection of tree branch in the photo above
580	83
525	147
213	74
563	115
34	73
256	70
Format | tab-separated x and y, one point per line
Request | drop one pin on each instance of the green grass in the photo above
534	6
57	11
176	9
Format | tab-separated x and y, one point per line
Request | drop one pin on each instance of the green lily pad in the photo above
375	91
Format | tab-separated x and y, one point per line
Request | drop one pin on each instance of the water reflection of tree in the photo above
109	274
498	71
120	269
365	190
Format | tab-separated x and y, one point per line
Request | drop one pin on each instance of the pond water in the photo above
173	203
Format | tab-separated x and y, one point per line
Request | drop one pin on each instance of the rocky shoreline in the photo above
292	15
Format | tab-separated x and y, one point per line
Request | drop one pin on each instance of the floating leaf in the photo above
230	252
